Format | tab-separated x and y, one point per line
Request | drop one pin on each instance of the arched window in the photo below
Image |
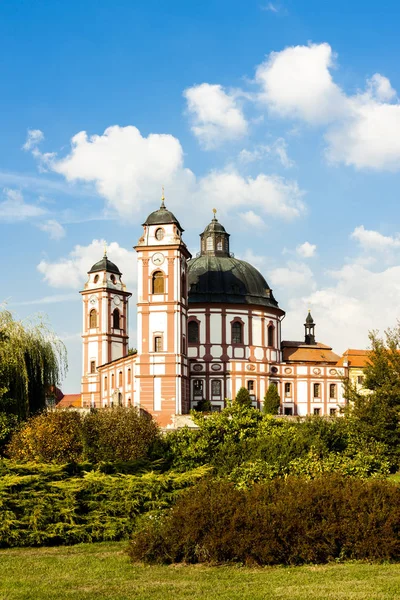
219	245
116	319
193	332
120	379
93	319
216	387
105	384
129	376
158	282
237	333
270	335
210	243
112	381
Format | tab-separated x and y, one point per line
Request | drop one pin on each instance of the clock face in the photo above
117	300
157	259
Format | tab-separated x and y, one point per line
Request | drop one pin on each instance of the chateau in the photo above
206	326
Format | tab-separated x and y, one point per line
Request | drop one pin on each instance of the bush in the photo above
54	436
272	400
285	521
69	504
243	398
118	434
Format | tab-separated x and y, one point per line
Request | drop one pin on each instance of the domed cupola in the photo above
214	239
162	216
216	276
105	274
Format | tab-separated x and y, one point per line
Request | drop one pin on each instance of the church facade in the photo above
206	327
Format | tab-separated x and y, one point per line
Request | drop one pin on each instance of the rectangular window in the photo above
332	412
317	411
288	411
332	390
158	343
198	387
93	366
129	375
360	379
317	390
120	379
288	389
250	385
216	387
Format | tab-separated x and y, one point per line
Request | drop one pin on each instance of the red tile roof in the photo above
355	358
70	400
310	353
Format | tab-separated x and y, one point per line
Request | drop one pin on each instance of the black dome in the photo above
105	265
227	280
215	226
162	216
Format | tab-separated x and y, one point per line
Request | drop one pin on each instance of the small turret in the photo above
309	327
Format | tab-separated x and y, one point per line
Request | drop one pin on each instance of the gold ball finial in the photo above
105	249
162	197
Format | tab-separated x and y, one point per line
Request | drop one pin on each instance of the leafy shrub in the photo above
285	521
52	504
8	424
50	436
243	397
203	405
272	400
118	434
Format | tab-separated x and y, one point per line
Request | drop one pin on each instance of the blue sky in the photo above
283	115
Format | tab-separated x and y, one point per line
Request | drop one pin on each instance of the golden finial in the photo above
215	212
105	249
162	198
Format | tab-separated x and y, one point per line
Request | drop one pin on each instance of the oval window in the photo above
159	233
96	278
113	279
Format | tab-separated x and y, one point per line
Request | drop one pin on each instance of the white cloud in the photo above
216	115
306	250
55	230
71	271
269	193
33	138
55	299
128	170
252	219
264	151
294	276
357	301
13	208
297	82
363	130
373	240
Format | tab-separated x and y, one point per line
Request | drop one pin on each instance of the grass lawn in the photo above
102	571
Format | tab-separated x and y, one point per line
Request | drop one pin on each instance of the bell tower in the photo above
309	326
162	364
105	325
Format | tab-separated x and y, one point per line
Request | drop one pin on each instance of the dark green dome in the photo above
227	280
105	265
162	216
214	226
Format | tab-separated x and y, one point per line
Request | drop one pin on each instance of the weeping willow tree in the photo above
32	361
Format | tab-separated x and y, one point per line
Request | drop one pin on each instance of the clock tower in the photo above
105	325
162	364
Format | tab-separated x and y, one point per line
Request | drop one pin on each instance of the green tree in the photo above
243	397
32	359
376	415
272	400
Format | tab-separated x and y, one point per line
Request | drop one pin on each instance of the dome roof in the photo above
162	216
105	265
227	280
215	226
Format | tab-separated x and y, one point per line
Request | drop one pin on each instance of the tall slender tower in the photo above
105	325
162	364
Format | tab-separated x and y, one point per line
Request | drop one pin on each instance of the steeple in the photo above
214	239
309	327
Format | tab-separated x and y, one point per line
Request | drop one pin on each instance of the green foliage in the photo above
118	434
272	400
46	505
284	521
243	398
376	415
203	405
8	424
31	360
